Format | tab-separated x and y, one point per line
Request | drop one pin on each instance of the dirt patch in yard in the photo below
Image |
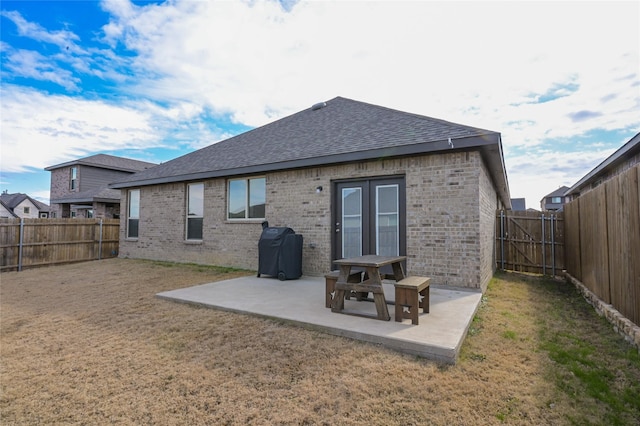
89	343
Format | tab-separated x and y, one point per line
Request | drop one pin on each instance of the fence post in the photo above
553	248
100	242
20	244
544	263
502	238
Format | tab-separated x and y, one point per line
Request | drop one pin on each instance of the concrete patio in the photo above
301	302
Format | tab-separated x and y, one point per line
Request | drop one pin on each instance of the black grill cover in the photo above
280	253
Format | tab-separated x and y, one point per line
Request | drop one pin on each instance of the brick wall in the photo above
447	221
59	188
489	204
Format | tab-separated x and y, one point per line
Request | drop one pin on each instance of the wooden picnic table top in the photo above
370	260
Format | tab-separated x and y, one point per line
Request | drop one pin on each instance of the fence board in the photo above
572	239
54	241
594	245
603	233
623	220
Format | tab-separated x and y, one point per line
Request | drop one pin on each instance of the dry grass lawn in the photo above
89	343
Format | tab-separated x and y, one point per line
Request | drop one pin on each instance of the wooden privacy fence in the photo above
603	242
530	241
28	243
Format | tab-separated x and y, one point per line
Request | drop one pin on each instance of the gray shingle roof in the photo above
557	193
11	201
343	130
108	162
103	195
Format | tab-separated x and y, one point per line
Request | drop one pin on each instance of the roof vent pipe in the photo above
318	106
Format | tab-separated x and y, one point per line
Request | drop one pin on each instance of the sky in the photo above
153	81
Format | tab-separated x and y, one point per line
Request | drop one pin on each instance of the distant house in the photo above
21	205
352	178
555	200
623	159
80	188
518	204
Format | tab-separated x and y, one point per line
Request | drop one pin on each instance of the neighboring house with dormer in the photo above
352	178
555	200
22	206
80	188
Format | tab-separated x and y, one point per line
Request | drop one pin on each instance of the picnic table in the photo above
371	264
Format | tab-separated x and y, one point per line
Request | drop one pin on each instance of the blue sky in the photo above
155	80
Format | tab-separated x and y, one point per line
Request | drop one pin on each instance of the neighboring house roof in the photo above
101	195
518	204
7	209
557	193
107	162
337	131
629	149
41	206
11	201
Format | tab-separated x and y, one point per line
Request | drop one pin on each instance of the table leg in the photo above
378	294
398	271
338	299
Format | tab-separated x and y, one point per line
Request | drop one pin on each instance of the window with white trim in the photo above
195	210
133	213
73	185
246	198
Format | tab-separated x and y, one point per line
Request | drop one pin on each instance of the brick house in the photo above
21	205
80	188
351	177
554	201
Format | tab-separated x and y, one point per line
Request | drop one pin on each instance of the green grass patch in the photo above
591	366
509	334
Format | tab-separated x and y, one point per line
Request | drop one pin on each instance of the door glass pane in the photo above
387	214
351	222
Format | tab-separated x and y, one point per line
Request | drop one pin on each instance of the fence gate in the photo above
530	241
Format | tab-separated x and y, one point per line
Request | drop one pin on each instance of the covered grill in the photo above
280	253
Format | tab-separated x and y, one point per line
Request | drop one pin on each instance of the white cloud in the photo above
485	64
40	130
539	172
33	30
32	64
470	62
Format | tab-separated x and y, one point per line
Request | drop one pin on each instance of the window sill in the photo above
131	239
193	242
244	221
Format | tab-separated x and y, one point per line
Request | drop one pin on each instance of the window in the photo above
556	200
133	217
89	214
74	178
247	198
195	210
26	210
